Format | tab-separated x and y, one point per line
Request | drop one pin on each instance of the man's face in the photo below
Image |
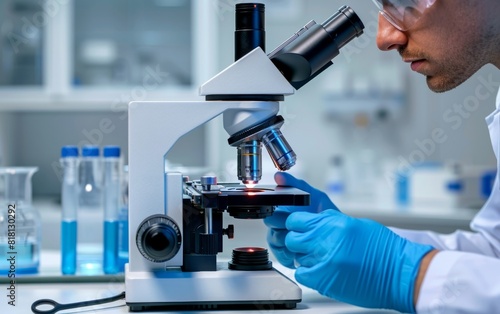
448	44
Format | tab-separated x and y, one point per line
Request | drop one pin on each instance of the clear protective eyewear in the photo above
403	14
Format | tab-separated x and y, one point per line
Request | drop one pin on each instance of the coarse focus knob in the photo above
158	238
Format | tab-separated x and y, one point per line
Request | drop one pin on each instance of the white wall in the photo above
8	130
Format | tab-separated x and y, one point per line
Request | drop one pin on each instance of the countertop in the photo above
26	294
49	284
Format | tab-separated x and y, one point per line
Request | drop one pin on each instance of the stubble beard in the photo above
456	67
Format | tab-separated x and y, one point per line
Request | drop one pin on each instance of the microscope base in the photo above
224	288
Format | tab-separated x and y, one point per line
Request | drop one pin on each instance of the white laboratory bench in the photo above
49	284
69	293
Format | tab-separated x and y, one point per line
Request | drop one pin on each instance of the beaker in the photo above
20	223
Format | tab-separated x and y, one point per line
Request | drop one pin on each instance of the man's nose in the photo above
388	36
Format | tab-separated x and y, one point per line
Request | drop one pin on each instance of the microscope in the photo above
175	223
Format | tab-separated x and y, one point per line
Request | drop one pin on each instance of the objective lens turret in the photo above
249	143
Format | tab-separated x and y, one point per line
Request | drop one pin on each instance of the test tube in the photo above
123	223
112	181
69	201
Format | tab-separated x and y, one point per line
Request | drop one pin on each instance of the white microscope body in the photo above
175	225
154	127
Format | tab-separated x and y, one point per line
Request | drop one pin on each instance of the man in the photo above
364	263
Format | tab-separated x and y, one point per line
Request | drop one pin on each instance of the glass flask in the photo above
20	223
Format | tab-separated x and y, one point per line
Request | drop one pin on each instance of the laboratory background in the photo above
367	131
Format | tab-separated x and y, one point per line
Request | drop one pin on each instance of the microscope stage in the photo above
263	196
245	202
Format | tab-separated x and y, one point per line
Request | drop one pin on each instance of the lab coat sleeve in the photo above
458	282
465	276
484	238
473	242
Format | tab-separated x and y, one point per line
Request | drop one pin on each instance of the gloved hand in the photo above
319	200
356	261
276	223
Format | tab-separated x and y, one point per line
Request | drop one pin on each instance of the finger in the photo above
276	237
302	221
326	203
306	221
286	179
298	242
306	276
305	260
284	256
277	220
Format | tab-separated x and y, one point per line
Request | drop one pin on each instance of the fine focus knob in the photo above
229	231
158	238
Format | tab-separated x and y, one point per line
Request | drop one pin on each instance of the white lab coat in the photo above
465	276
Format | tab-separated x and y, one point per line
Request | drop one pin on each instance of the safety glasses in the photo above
403	14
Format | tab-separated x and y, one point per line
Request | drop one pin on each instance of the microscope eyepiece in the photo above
343	26
250	30
310	51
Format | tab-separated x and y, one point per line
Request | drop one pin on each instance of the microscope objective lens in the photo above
280	151
250	162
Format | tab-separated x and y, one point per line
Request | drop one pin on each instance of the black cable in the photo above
59	307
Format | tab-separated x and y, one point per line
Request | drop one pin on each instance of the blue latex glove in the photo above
276	223
356	261
319	200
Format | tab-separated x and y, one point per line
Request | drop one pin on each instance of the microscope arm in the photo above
154	129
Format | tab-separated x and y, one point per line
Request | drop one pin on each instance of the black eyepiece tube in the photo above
250	30
313	48
343	26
